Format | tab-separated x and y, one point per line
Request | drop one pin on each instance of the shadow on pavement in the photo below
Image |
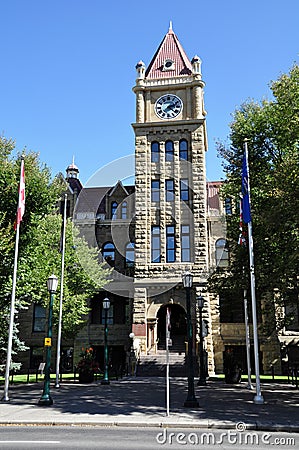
145	397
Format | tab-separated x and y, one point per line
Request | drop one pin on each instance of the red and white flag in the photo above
21	204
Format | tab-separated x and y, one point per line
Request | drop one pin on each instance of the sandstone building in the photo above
171	220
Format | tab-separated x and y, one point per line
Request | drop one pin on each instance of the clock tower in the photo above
170	177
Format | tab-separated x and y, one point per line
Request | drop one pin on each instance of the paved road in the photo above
77	437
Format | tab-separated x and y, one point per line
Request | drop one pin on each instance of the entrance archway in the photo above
178	327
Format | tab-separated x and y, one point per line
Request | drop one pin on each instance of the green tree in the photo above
39	247
41	196
83	275
272	130
42	191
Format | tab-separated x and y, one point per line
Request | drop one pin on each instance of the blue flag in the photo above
245	192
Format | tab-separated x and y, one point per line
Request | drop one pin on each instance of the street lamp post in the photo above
46	399
202	376
191	401
106	306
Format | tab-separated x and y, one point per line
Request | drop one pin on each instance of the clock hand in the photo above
169	107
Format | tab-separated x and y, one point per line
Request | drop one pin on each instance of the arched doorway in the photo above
178	327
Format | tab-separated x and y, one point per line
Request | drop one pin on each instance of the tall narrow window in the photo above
184	189
155	190
155	152
156	244
108	253
113	210
169	151
183	149
124	212
169	190
221	253
39	318
185	243
130	254
170	243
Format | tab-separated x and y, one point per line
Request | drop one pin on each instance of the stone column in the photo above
139	316
139	106
197	102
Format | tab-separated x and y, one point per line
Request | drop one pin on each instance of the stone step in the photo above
172	361
178	347
155	364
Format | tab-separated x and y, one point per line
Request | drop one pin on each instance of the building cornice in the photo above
169	123
169	83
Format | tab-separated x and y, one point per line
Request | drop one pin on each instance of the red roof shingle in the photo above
169	49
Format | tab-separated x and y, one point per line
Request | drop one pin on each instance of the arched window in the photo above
183	149
108	252
155	151
124	210
113	210
169	151
221	253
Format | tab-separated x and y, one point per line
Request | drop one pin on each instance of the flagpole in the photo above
167	360
258	398
13	292
247	337
58	351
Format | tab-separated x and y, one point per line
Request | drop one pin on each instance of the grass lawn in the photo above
19	379
263	378
32	378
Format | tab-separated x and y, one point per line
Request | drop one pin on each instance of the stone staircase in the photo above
154	365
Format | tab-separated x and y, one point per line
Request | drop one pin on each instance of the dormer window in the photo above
168	65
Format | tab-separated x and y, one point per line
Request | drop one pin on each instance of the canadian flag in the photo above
21	204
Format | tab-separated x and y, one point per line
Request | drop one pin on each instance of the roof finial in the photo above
73	160
170	25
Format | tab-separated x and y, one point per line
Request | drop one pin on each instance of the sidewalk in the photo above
141	402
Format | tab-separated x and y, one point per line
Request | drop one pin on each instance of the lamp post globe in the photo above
187	278
46	399
191	401
106	306
52	283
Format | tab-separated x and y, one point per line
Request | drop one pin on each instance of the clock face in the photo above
168	106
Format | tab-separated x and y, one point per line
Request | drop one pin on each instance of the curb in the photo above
161	424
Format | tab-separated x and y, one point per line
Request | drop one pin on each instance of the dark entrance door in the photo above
178	327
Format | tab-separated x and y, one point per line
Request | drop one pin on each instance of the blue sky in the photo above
68	68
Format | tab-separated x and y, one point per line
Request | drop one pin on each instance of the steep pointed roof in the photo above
170	49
